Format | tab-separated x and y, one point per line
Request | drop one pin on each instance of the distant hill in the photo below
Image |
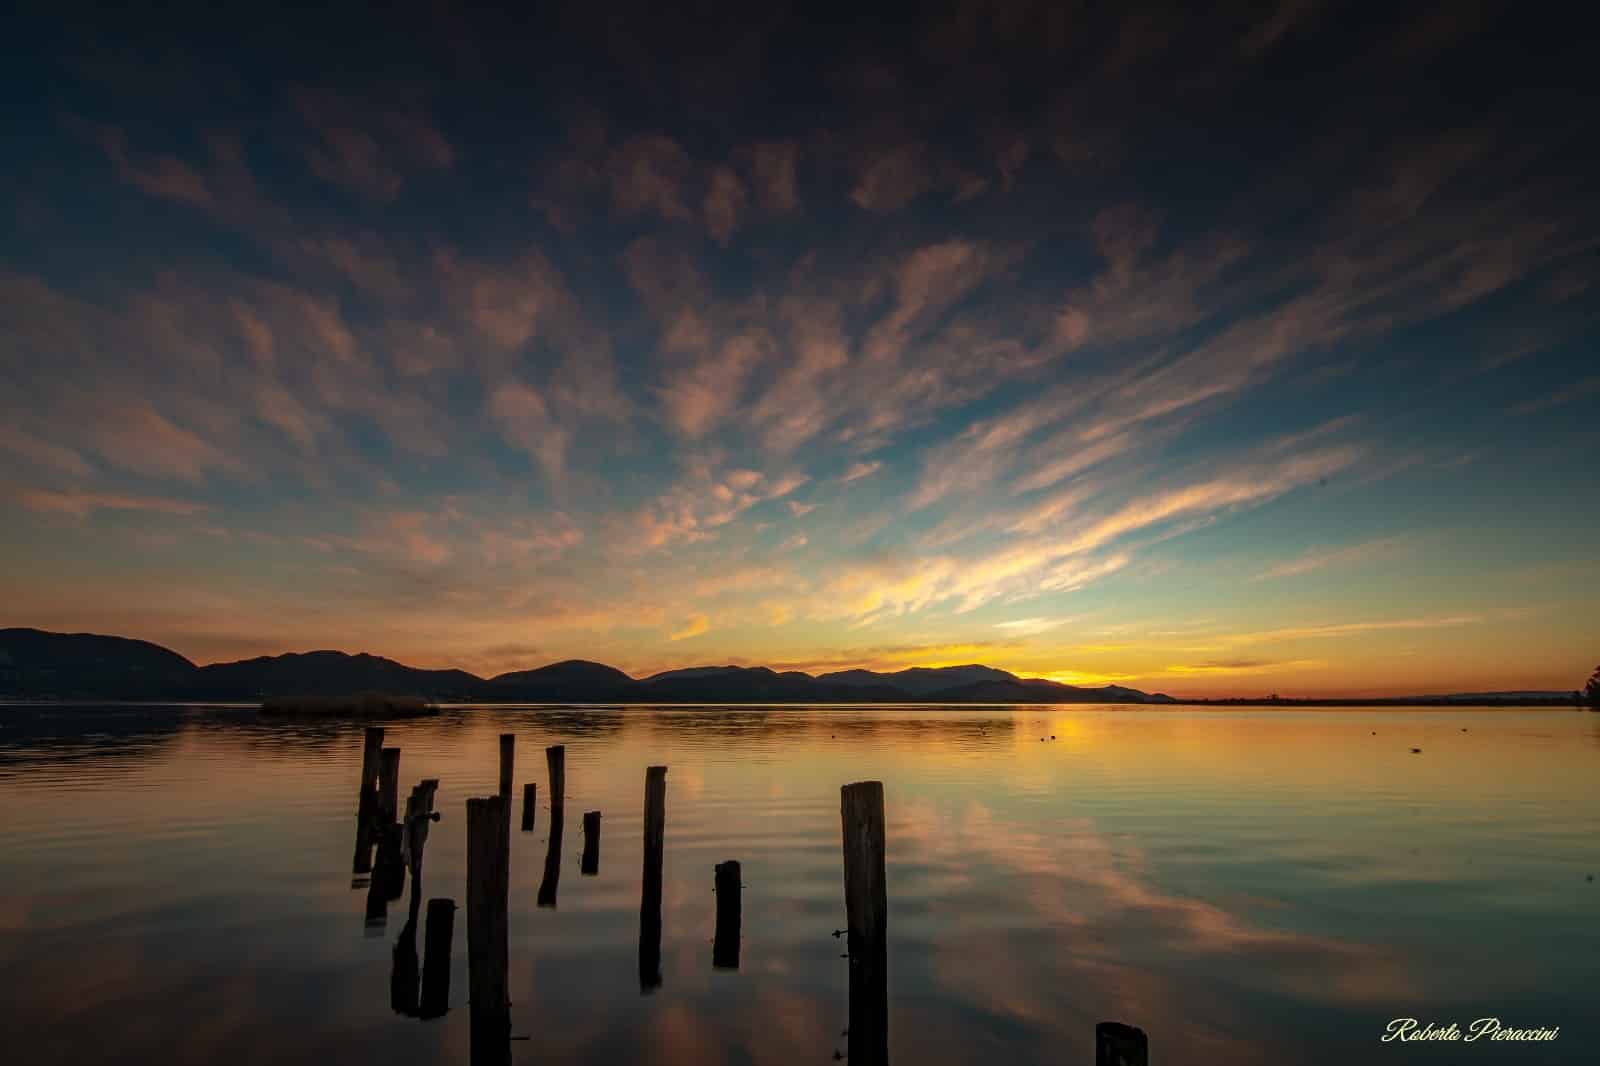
322	673
35	664
68	665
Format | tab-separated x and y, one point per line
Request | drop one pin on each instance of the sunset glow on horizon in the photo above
1232	359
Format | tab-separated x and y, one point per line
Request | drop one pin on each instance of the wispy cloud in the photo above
1351	555
693	626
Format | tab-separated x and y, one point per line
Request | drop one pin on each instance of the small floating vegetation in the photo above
360	705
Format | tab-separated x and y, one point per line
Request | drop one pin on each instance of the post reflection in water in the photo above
550	883
589	865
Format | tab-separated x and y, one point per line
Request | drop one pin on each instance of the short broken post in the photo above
488	885
1116	1044
589	864
555	758
508	756
867	920
655	825
435	1001
530	802
725	947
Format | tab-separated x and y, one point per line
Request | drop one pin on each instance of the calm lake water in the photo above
1247	886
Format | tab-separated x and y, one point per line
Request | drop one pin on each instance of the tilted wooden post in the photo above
388	785
867	920
1116	1044
435	1000
508	756
530	802
555	758
655	826
488	885
589	864
725	946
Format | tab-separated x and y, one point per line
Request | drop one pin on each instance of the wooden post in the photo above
1116	1044
867	920
388	785
589	864
551	882
530	803
388	878
555	758
416	827
435	1000
488	885
366	802
508	756
865	893
725	948
655	825
371	746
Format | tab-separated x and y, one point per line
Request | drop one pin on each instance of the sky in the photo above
1229	352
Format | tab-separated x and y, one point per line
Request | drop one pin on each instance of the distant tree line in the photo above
1591	691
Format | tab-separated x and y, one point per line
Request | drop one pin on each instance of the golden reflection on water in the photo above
1247	886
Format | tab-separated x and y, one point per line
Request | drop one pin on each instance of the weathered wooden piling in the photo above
530	803
419	812
488	885
388	785
1116	1044
555	758
435	1001
388	878
655	825
550	883
725	946
371	747
508	757
867	920
589	864
366	801
866	901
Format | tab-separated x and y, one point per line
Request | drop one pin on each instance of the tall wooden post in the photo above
555	758
371	746
488	885
530	803
725	947
1116	1044
589	864
367	802
435	1000
388	785
867	919
655	826
508	756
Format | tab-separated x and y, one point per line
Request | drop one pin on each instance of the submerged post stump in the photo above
589	865
435	1001
488	884
555	758
508	756
867	920
725	947
530	799
388	785
655	826
1116	1044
